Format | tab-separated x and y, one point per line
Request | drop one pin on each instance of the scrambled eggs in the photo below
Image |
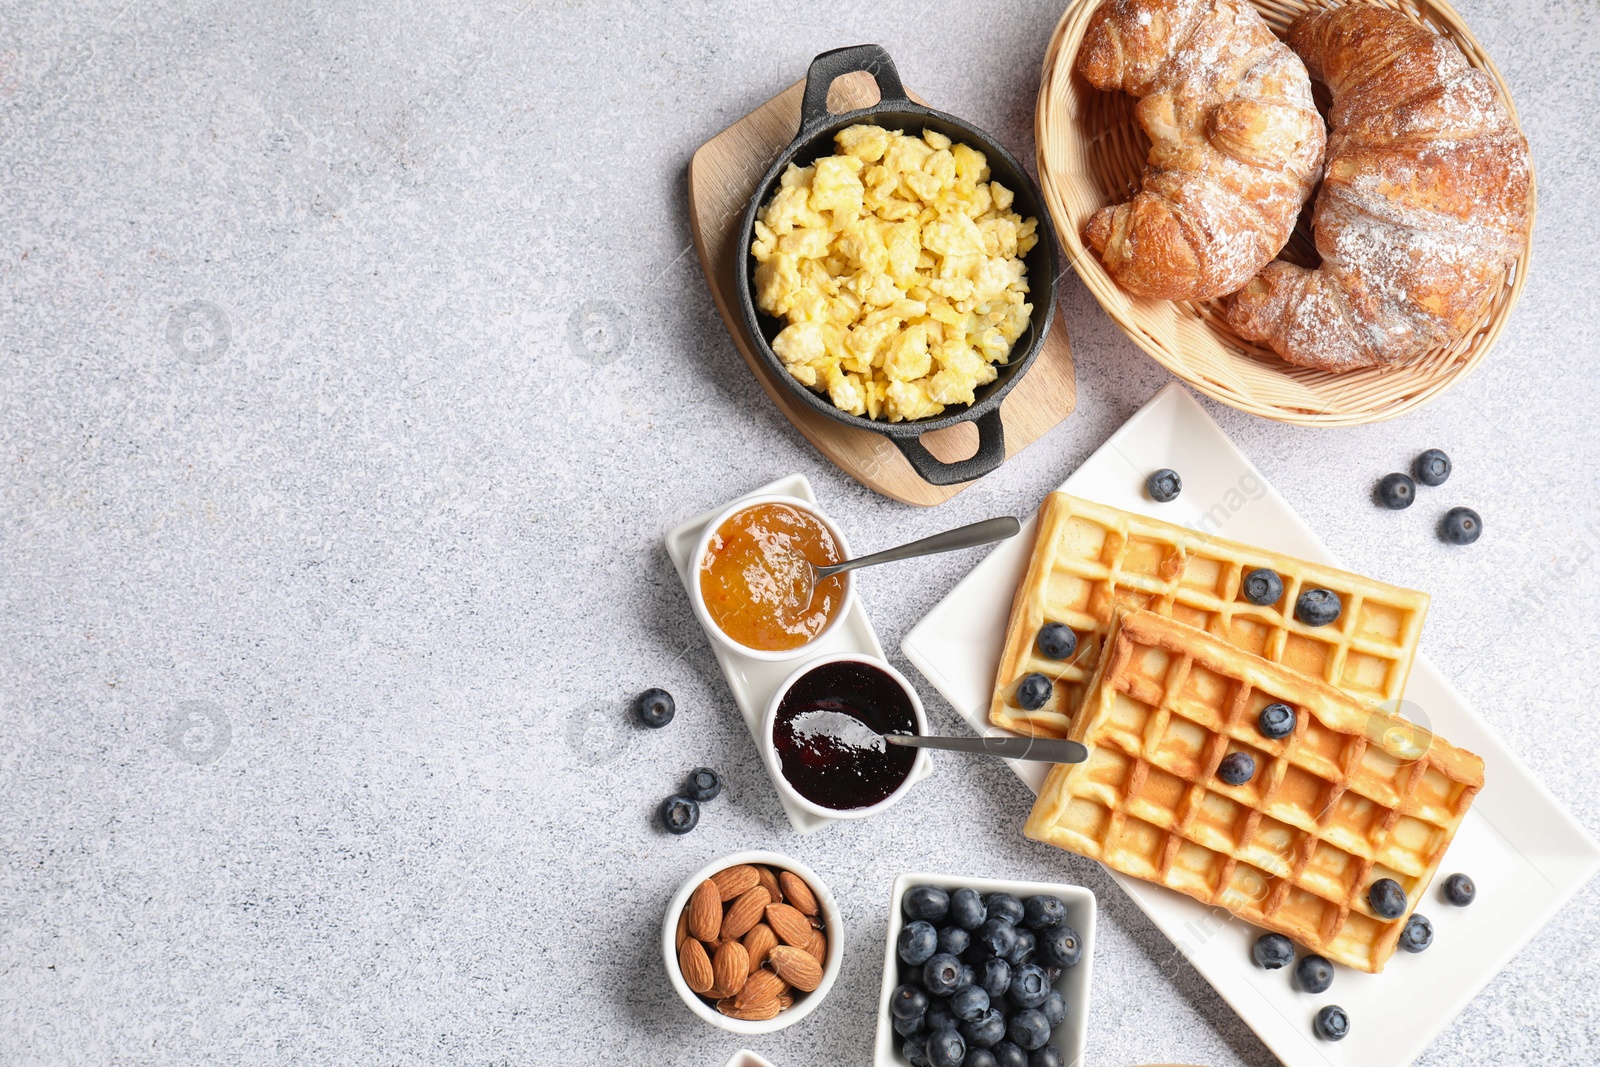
898	266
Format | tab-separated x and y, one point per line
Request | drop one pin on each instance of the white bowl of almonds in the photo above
753	942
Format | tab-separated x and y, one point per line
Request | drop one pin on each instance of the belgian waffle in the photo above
1089	560
1352	795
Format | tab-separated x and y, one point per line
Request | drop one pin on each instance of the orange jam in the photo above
755	574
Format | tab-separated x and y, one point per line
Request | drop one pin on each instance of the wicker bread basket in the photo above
1092	153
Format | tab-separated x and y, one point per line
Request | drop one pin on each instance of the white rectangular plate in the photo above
1527	855
755	681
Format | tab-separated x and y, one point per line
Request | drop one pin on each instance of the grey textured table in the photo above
327	566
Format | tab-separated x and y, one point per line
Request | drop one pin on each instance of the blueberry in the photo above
654	707
1029	986
1273	951
679	814
1317	607
966	909
1054	1007
704	784
945	1048
1262	587
915	1026
954	940
969	977
908	1000
1048	1056
978	1057
1388	900
1164	485
925	902
1332	1023
1314	974
1028	1029
1396	491
994	940
1431	467
1027	943
1005	907
1459	890
1033	692
1060	947
995	978
986	1030
1276	721
1056	641
941	975
914	1049
940	1018
969	1003
1043	912
918	942
1008	1055
1461	526
1418	933
1236	768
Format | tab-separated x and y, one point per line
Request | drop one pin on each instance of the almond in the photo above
695	966
785	1002
796	966
730	967
791	927
758	942
767	1009
769	882
705	911
797	893
818	947
683	929
744	913
762	986
735	880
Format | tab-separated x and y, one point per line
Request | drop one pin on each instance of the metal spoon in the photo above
970	536
1040	749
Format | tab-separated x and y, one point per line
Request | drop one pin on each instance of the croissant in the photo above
1427	201
1236	143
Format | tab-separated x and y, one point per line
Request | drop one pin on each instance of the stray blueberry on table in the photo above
954	940
1164	485
915	1026
1048	1056
1060	947
969	1003
925	902
1033	692
945	1048
941	975
1418	933
1236	768
1054	1007
1029	986
1007	1054
1318	607
1388	900
654	707
1042	912
995	978
966	908
1028	1029
986	1030
1431	467
1276	721
1056	641
1461	526
1005	907
704	784
978	1057
1262	587
1027	942
1396	491
1332	1024
1314	974
1459	890
994	940
1273	951
679	814
918	943
908	1001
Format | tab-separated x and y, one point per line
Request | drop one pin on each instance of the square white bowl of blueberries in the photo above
980	972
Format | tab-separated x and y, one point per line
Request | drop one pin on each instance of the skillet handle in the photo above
990	454
830	65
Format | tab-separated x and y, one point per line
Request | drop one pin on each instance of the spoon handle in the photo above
1041	749
978	533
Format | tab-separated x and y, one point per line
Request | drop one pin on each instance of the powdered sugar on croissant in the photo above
1427	201
1236	143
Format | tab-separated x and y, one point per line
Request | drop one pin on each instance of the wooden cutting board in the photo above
722	178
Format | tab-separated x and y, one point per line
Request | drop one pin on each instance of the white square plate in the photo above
1526	854
754	681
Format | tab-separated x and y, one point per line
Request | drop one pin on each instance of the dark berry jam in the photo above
827	730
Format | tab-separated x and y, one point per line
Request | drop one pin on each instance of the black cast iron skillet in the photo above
895	111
